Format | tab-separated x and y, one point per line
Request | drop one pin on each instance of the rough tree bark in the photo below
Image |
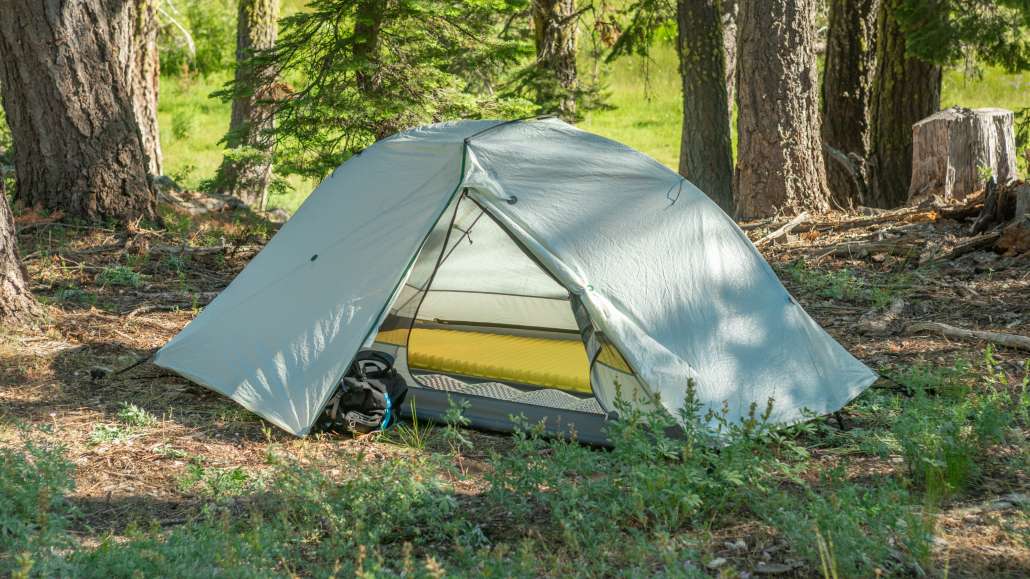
706	155
554	26
248	174
779	155
78	147
847	88
905	91
951	147
16	302
136	43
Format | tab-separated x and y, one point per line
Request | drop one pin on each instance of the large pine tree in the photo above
554	29
136	42
847	90
77	145
906	90
779	155
247	170
706	155
16	302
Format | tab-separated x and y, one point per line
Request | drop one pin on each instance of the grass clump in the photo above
844	285
217	483
119	275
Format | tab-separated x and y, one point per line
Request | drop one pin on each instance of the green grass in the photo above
192	125
992	88
648	111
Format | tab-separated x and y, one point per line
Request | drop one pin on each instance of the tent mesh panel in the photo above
546	397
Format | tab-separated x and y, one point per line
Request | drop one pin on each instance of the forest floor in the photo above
157	462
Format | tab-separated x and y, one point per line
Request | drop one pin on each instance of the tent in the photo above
527	267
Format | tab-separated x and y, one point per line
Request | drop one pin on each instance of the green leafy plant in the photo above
455	423
944	432
183	122
198	35
848	529
134	416
107	434
34	510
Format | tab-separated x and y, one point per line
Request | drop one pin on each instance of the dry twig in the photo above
1007	340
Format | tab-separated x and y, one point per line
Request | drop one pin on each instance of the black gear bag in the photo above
369	396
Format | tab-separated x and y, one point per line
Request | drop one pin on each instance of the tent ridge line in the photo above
502	124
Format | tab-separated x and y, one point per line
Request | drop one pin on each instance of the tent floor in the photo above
545	397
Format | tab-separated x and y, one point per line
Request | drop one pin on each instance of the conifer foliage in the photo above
356	71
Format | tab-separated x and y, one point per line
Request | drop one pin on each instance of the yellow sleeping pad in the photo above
545	362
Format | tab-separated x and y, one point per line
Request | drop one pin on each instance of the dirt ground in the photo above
115	295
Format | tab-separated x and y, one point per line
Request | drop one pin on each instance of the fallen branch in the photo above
193	250
187	249
757	224
1007	340
787	228
172	301
854	166
867	248
76	252
968	246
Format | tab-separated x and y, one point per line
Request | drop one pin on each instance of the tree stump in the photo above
952	150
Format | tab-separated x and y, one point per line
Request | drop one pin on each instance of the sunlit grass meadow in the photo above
645	113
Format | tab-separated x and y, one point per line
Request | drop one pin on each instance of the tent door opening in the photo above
478	318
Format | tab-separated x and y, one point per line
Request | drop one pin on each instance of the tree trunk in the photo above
905	91
16	301
78	147
554	26
706	155
779	155
136	42
248	172
952	147
367	25
847	88
729	40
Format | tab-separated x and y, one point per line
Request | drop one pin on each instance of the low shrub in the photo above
34	511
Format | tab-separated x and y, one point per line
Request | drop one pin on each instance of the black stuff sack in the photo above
368	397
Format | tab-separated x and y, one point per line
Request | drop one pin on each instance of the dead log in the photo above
1015	238
189	249
1022	194
854	165
952	149
867	248
787	228
877	323
1002	205
1007	340
970	245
